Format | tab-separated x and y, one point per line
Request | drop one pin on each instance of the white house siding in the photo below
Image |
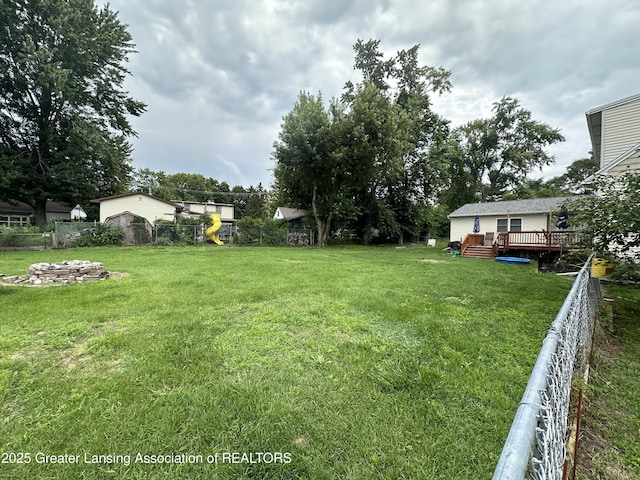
226	212
462	226
620	130
631	164
140	205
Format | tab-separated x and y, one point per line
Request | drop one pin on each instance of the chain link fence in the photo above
274	237
10	240
74	234
536	445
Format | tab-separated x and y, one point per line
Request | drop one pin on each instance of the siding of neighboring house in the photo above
620	130
139	204
631	164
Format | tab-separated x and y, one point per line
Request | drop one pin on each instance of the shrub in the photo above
626	271
100	236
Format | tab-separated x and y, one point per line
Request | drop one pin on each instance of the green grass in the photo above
611	422
357	362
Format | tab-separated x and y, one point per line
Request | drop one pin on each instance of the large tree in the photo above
63	111
490	157
409	178
308	170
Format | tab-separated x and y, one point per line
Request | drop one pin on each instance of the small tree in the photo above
612	216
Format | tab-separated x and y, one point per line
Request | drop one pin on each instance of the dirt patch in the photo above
431	260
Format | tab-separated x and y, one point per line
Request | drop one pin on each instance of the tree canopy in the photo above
488	158
63	111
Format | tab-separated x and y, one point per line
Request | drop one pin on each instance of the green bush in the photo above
626	271
100	236
258	231
170	233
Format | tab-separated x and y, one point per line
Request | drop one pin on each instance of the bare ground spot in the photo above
431	260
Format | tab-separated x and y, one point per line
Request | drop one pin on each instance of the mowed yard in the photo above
346	363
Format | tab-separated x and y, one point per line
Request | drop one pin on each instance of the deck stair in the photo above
478	251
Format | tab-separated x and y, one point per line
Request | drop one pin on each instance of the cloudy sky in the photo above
218	76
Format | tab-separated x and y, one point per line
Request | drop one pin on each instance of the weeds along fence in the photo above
536	447
25	241
75	234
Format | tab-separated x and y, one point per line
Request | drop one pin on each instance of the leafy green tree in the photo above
495	155
147	181
612	216
63	111
410	177
572	181
256	202
308	169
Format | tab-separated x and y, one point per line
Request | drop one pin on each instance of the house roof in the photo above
291	213
513	207
594	122
129	194
21	208
604	170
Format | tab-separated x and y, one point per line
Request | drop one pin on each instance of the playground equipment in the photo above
210	233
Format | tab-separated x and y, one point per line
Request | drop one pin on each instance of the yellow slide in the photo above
211	231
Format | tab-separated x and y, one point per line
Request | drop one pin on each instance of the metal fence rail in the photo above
536	445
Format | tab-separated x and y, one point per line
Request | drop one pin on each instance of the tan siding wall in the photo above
139	205
462	226
620	130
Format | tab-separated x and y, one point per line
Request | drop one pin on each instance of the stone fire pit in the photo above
67	271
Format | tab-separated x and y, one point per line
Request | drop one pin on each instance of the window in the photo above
515	225
14	221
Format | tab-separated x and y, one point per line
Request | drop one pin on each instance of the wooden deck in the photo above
538	241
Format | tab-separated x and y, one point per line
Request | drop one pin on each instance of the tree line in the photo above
379	160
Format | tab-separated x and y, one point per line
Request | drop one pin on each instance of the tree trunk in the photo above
322	233
40	208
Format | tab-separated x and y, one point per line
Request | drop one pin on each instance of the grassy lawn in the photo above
611	424
350	362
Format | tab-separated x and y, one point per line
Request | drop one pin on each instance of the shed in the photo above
136	230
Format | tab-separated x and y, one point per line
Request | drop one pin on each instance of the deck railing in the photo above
543	240
471	239
536	445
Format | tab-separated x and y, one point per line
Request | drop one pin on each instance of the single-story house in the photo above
140	204
536	214
294	216
614	129
19	214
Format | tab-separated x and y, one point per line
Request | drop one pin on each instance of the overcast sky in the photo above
218	76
